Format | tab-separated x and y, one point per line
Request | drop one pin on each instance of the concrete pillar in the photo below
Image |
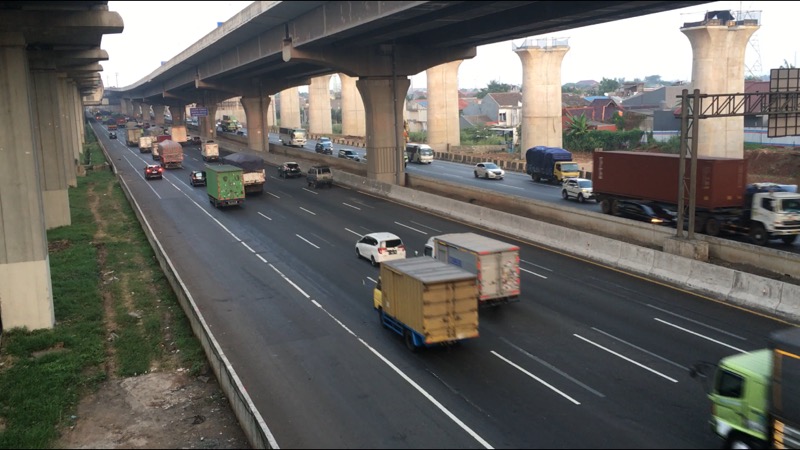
158	115
271	119
77	117
178	113
443	118
71	152
26	293
254	109
51	149
319	106
208	124
137	110
123	106
541	94
146	114
718	68
290	108
384	100
354	122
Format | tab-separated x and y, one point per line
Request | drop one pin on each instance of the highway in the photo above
589	357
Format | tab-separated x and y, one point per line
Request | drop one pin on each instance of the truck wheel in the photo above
737	441
759	235
605	206
789	240
712	227
380	318
409	341
614	207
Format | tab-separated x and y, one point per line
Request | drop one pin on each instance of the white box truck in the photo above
495	263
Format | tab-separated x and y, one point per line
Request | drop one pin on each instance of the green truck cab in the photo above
225	185
755	396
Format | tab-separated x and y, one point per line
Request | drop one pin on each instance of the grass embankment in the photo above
116	315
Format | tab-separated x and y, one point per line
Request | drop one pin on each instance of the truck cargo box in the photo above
495	263
437	300
224	185
171	154
721	182
178	133
785	401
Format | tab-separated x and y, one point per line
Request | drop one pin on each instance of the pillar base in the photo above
694	249
27	295
56	208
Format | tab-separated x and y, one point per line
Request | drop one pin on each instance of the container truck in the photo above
494	263
755	396
224	185
550	163
427	301
724	202
210	151
293	137
171	154
145	144
254	174
133	135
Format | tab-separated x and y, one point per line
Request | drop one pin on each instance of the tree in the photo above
652	80
578	125
607	85
494	86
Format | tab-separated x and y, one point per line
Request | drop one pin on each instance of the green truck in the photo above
755	396
224	185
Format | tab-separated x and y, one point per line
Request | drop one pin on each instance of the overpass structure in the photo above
49	51
272	46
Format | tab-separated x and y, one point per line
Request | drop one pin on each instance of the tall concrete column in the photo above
123	106
254	109
290	108
158	115
208	124
178	113
384	99
52	155
443	119
541	92
26	293
146	114
718	52
354	122
76	116
137	110
271	120
71	150
319	106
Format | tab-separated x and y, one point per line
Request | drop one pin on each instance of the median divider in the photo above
758	293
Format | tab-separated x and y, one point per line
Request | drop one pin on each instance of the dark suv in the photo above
319	176
289	170
324	146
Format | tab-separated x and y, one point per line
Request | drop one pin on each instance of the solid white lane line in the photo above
248	247
535	265
532	273
289	281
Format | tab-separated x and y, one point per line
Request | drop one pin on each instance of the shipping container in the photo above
721	182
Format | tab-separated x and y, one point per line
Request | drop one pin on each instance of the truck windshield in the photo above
571	167
299	134
426	152
790	205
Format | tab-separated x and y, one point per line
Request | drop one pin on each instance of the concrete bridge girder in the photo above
378	60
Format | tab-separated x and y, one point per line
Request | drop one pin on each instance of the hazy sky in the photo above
631	48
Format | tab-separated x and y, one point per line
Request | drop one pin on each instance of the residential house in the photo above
502	108
416	115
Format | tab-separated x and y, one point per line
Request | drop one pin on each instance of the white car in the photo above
380	247
488	170
578	188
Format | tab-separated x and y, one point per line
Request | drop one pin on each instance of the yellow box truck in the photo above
426	301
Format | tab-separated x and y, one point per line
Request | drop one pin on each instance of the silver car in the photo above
577	188
488	170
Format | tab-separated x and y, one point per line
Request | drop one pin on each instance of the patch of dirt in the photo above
164	408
